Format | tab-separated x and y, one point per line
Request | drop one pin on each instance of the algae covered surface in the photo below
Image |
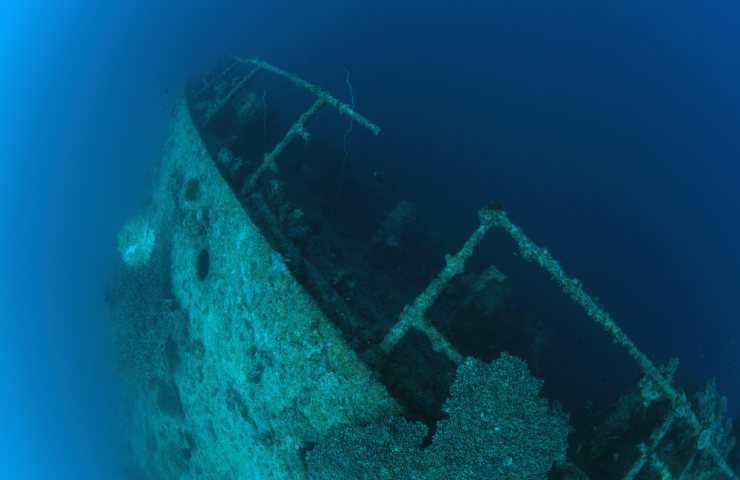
245	372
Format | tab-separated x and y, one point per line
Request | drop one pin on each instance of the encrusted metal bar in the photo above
216	78
413	315
574	289
219	104
439	342
297	129
647	452
327	98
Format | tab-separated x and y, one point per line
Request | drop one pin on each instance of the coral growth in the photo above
498	427
136	242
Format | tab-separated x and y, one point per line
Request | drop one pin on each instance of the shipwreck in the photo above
277	316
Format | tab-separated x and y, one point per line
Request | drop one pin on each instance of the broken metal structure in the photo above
249	339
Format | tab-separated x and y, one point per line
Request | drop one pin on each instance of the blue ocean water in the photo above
609	131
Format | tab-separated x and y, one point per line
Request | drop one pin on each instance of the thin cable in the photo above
345	157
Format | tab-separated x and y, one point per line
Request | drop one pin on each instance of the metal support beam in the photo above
220	103
329	99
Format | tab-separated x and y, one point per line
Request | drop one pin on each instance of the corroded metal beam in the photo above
327	98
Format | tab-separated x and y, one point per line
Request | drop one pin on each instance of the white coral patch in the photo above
136	242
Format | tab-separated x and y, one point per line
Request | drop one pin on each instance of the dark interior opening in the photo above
204	264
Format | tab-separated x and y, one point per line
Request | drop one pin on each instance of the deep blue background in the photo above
609	130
